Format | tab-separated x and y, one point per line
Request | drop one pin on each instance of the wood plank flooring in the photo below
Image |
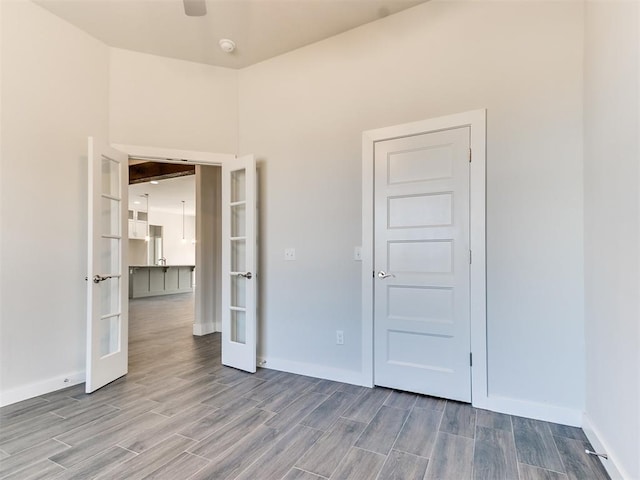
179	414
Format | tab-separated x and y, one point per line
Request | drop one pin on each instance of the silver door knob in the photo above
382	275
246	275
101	278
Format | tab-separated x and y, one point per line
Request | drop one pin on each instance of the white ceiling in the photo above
167	196
261	28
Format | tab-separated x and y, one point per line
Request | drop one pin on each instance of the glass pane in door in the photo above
110	177
109	296
238	326
238	229
109	335
238	220
109	256
110	216
238	291
238	255
238	186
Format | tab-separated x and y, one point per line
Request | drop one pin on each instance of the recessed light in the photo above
136	203
154	182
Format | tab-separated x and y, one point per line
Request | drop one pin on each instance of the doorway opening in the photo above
226	247
174	235
108	234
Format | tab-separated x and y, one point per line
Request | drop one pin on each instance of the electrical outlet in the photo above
339	337
289	254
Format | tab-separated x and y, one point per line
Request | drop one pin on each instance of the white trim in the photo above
352	377
476	120
200	329
42	387
614	469
172	155
535	410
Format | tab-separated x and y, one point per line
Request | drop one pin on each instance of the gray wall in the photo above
303	114
55	87
612	230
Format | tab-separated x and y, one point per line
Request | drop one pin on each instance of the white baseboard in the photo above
538	411
316	371
14	395
520	408
200	329
614	469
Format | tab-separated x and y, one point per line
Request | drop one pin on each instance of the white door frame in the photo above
170	155
476	120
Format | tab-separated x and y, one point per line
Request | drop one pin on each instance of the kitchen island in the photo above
151	280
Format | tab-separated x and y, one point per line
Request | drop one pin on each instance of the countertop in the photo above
160	266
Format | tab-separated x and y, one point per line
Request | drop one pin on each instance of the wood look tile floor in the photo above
179	414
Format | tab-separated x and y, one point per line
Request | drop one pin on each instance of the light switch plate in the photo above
357	254
289	254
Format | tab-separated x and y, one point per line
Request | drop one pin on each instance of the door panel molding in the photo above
476	120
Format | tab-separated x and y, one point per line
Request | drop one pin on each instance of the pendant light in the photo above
147	237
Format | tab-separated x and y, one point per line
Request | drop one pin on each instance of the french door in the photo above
239	260
107	279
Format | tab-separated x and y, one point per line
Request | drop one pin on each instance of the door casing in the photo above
476	120
193	157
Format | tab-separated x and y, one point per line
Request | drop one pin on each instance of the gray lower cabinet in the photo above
147	281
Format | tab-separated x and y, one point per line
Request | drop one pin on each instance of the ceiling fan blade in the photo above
195	8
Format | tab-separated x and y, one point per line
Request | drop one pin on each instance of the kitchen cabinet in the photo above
151	280
138	224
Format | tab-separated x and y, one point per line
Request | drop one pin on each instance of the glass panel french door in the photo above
107	282
239	263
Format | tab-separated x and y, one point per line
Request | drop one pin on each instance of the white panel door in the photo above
239	263
107	279
421	258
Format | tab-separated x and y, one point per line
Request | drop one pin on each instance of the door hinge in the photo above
470	359
470	257
469	155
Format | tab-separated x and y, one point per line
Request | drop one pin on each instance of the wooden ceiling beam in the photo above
147	171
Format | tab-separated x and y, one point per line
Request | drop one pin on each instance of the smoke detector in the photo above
227	45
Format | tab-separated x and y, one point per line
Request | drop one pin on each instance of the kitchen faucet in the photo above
162	261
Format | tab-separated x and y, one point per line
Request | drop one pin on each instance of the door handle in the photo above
102	278
382	275
246	275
